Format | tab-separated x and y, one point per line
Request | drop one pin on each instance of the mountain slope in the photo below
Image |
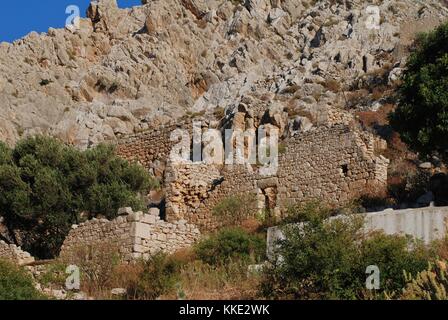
127	70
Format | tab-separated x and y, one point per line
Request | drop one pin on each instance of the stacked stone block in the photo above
136	234
334	164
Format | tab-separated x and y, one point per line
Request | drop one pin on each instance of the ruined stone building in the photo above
334	164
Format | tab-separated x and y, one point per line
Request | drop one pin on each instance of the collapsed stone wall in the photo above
15	254
193	190
150	148
333	163
137	235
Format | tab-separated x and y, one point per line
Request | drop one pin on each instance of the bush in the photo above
431	284
45	185
234	209
392	256
422	114
317	262
97	263
327	259
16	284
308	211
159	275
230	244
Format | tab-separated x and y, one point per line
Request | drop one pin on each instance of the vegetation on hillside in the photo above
430	284
16	284
231	244
327	259
322	260
421	117
45	186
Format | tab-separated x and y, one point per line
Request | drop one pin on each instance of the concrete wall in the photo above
136	234
426	224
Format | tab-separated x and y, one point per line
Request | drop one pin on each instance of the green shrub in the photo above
16	284
44	185
234	209
393	258
308	211
228	244
327	259
422	114
159	275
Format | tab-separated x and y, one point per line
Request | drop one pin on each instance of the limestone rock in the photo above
127	70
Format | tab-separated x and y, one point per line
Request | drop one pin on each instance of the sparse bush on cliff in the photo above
45	185
16	284
422	115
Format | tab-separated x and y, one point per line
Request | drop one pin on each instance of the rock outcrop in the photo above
126	70
15	254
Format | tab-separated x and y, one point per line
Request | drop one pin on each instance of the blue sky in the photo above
20	17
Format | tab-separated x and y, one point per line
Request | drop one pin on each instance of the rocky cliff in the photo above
126	70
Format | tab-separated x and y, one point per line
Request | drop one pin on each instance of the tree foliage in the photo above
45	185
421	117
327	259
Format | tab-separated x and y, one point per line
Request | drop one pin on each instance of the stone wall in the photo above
427	224
150	148
13	253
330	163
334	164
136	234
194	190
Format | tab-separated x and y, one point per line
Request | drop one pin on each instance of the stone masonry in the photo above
15	254
137	235
334	163
150	148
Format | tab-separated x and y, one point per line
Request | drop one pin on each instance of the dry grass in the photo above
380	117
101	271
251	225
97	263
200	281
332	85
441	248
